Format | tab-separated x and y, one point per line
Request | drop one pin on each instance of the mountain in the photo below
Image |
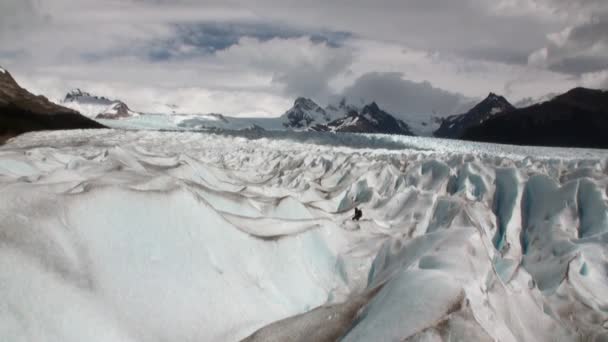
116	111
214	121
304	113
22	111
370	119
578	118
96	106
454	126
340	110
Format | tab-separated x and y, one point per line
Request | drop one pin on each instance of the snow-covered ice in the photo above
113	235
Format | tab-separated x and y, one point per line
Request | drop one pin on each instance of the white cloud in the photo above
403	97
303	67
597	79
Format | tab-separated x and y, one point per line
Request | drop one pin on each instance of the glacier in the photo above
114	235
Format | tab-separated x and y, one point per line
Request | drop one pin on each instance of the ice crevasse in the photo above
151	236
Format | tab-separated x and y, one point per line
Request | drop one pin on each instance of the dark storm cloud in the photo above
401	96
580	64
478	29
192	39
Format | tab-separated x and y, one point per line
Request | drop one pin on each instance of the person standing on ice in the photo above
358	214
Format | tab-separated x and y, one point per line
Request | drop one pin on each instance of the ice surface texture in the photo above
158	236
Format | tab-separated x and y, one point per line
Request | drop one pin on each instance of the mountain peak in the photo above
5	77
116	111
492	97
305	102
593	100
304	113
580	91
576	118
78	94
454	126
92	105
34	112
372	107
370	119
75	93
497	103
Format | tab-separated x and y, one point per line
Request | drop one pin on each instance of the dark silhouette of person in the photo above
358	214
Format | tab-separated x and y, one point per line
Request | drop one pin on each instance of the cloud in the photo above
204	52
577	49
597	79
401	96
302	66
192	39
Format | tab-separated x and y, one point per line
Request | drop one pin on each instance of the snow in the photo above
2	71
421	124
90	105
496	110
370	118
187	236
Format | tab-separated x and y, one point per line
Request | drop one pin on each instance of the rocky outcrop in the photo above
22	111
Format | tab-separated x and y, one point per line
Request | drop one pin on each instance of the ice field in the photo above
113	235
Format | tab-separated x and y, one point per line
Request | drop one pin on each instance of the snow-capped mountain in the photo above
370	119
340	110
96	106
116	111
304	113
22	111
343	117
454	126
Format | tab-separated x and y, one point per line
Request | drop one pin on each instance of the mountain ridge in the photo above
22	111
577	118
98	107
370	119
455	125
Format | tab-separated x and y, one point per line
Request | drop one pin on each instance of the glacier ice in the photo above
186	236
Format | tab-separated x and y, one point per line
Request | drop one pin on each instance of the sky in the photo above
254	58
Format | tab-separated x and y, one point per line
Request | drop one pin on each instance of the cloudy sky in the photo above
253	58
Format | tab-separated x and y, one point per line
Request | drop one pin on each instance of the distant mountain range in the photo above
22	111
98	107
306	115
577	118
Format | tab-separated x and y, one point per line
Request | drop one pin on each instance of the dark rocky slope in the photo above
21	111
454	126
578	118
